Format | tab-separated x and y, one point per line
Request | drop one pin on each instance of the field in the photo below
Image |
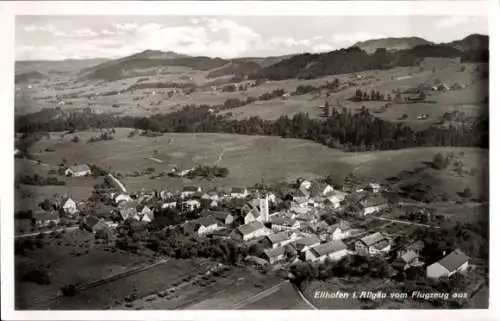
65	267
78	93
251	158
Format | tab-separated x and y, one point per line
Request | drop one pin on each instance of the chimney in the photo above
264	208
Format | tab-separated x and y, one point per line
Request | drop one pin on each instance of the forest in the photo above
341	129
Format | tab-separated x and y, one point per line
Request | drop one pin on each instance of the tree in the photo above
38	276
75	139
467	193
439	162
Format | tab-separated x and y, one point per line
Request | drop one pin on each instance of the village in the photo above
313	222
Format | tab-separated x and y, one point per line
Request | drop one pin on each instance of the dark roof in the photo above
190	188
454	260
220	215
373	201
274	252
91	221
240	190
374	238
278	237
307	241
250	227
330	247
206	221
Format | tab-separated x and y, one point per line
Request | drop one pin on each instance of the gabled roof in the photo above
79	168
128	212
254	212
278	237
220	215
330	247
282	220
307	241
250	227
373	201
409	256
127	204
374	238
342	225
274	252
206	221
454	260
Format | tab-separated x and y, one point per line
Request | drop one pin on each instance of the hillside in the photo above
57	66
391	44
471	43
29	76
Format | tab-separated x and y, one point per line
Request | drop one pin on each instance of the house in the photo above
164	195
320	189
372	205
214	196
223	217
190	191
373	244
204	225
69	207
333	250
340	230
249	231
299	201
304	243
373	187
239	192
410	256
275	254
213	204
171	205
122	197
46	219
278	239
455	262
282	223
191	205
304	186
147	215
252	215
78	170
129	212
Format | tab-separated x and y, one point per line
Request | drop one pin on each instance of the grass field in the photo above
251	158
93	263
140	284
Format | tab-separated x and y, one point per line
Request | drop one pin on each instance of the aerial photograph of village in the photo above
251	163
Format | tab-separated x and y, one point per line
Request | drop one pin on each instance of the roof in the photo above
409	256
254	212
127	204
317	188
190	189
416	246
275	252
300	199
342	225
220	215
128	212
206	221
91	221
79	168
373	201
250	227
191	202
307	241
454	260
374	238
239	190
330	247
44	216
278	237
280	220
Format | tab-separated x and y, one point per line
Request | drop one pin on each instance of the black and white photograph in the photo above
250	162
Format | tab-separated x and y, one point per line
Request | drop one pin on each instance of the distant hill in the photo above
29	76
119	68
472	43
391	44
56	66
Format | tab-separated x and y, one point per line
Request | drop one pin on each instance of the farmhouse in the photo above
454	262
333	250
340	231
249	231
202	226
252	215
78	170
304	187
190	191
373	244
409	257
191	205
320	189
239	192
373	204
281	223
69	207
46	219
275	254
223	217
278	239
305	243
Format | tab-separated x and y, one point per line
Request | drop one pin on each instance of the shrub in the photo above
69	290
38	276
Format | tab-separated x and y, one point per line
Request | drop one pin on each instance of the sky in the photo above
81	37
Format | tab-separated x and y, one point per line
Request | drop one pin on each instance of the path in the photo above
256	297
302	296
404	222
120	184
67	229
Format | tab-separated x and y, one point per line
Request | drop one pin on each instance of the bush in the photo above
439	162
38	276
69	290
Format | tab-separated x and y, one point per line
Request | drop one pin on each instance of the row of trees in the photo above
342	129
36	179
360	95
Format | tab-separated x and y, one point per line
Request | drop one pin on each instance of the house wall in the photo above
339	235
249	218
276	258
460	269
374	251
79	174
229	219
436	270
